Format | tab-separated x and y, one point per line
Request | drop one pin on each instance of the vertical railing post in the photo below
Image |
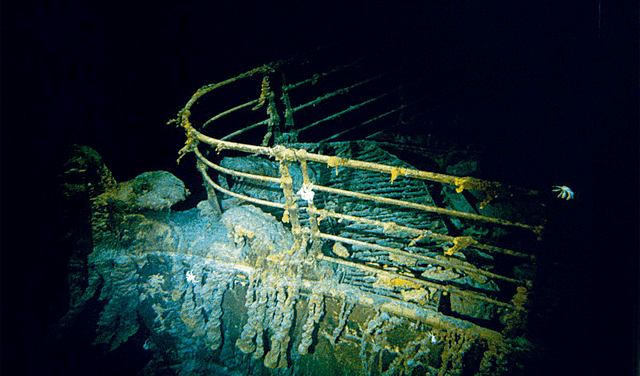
291	214
268	96
212	198
316	242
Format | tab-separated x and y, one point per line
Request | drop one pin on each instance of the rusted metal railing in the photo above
310	231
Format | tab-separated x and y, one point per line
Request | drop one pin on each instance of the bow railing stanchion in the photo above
212	198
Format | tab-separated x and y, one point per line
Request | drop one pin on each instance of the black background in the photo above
553	97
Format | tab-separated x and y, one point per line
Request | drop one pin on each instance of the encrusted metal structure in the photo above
410	270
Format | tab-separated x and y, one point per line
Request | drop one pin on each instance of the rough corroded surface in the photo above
153	190
240	293
84	173
259	189
249	225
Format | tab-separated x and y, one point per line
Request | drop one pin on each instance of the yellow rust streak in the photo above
403	308
208	88
369	166
227	145
415	281
396	172
459	243
428	208
322	213
468	269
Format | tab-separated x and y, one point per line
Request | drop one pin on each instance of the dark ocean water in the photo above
551	101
